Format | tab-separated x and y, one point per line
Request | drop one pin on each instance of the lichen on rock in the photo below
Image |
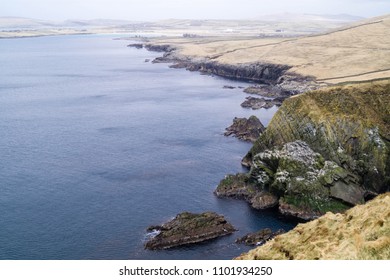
347	125
325	150
241	186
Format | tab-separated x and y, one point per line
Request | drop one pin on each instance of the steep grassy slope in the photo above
363	232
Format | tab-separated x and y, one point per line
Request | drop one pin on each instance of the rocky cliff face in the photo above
276	75
347	125
325	150
362	232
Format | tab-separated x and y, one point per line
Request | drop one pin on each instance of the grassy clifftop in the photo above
363	232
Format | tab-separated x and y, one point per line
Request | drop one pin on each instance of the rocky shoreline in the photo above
314	155
272	79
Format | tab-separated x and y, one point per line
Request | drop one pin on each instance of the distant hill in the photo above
28	23
289	17
24	23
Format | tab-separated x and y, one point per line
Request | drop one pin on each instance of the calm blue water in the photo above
96	145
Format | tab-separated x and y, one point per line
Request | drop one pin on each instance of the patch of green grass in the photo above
316	205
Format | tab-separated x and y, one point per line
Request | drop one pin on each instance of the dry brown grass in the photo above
363	232
355	53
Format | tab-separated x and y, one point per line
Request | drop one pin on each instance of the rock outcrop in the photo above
260	237
324	150
271	77
188	228
362	233
246	129
241	186
258	103
347	125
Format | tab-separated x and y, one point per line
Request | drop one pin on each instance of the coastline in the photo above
275	76
237	74
338	185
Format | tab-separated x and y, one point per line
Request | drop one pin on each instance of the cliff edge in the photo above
324	150
362	232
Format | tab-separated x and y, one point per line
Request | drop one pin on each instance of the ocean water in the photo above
96	145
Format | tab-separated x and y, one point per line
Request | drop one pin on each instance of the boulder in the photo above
246	129
188	228
259	238
258	103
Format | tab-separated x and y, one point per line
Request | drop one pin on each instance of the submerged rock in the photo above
246	129
136	45
259	238
188	228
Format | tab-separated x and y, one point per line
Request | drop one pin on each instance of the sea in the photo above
97	143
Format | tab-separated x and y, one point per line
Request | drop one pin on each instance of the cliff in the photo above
324	150
349	125
357	52
363	232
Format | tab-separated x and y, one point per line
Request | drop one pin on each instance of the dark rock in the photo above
240	186
275	76
188	228
245	129
229	87
136	45
147	60
258	103
259	238
159	48
266	91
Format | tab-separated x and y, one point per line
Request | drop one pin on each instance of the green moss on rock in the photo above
347	125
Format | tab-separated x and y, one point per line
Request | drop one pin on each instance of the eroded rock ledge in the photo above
260	237
246	129
275	76
188	228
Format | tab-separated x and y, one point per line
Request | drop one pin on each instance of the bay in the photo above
96	145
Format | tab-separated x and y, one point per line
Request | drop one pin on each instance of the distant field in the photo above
353	53
281	26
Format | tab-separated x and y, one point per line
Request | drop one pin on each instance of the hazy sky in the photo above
193	9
